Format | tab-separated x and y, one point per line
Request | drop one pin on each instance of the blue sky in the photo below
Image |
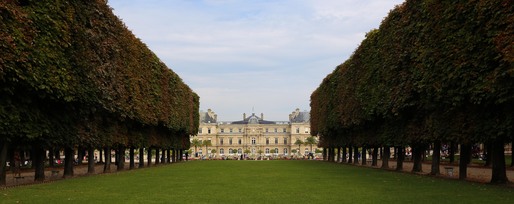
244	55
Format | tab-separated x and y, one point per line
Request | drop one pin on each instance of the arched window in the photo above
222	151
306	150
253	140
240	151
285	150
276	150
267	150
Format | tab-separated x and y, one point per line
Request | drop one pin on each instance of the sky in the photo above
252	56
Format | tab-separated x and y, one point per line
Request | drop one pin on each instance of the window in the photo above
230	129
297	130
230	151
284	130
276	130
222	130
253	140
306	150
200	130
239	141
222	151
267	150
209	131
276	140
240	151
276	150
306	130
285	150
240	130
229	140
285	140
221	141
266	129
267	140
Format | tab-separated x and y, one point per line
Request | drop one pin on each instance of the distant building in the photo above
253	134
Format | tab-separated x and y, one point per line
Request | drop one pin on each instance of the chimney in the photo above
244	116
262	116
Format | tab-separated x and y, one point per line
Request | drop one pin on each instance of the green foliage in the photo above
72	73
434	70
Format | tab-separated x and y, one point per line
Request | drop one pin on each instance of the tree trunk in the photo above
385	158
157	159
350	154
107	164
497	151
338	154
51	157
121	158
355	155
325	154
141	157
131	155
176	155
436	159
512	151
163	156
465	151
69	154
452	152
91	160
344	160
374	157
3	160
488	154
417	158
80	155
149	157
395	153
101	155
363	156
400	157
38	161
168	155
180	152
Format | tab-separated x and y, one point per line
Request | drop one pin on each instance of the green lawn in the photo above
258	182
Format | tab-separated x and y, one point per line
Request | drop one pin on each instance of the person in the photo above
17	164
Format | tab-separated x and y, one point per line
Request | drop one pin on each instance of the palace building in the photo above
253	136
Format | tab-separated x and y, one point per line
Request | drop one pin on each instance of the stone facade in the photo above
253	135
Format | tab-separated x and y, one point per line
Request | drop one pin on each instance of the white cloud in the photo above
239	54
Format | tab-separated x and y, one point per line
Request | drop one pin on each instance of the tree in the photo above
260	152
299	143
213	151
311	141
196	143
206	143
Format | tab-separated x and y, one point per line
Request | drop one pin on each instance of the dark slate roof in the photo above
208	117
253	119
300	116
